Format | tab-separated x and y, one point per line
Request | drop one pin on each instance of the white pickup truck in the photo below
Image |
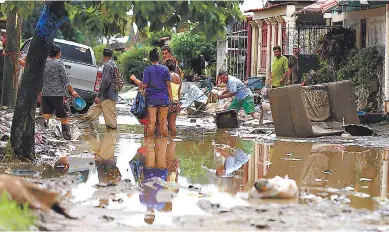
80	63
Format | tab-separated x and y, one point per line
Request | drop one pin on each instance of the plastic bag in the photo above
277	188
139	107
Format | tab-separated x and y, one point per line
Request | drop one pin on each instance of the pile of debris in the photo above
48	142
197	102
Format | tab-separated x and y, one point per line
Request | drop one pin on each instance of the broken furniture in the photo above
309	111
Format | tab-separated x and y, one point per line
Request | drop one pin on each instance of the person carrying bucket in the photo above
56	87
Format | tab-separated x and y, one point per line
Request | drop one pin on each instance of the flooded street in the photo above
119	179
132	182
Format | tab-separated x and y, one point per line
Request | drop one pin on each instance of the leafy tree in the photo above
15	11
134	62
98	50
154	39
208	17
189	47
336	45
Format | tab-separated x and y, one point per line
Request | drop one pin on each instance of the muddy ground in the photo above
342	181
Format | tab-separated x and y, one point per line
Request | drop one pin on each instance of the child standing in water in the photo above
174	107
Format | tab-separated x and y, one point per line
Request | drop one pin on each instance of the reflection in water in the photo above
331	170
160	162
104	151
220	168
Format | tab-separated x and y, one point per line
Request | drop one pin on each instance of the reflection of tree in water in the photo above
192	155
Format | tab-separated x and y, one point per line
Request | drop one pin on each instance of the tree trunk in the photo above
10	84
23	123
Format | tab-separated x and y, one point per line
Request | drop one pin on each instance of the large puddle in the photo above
172	175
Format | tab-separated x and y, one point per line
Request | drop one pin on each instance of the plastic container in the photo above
79	103
227	119
255	83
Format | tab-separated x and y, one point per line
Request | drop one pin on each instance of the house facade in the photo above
281	23
370	20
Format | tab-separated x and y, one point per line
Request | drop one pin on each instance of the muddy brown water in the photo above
345	174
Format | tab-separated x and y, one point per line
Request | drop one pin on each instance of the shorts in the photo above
247	104
175	108
158	106
57	104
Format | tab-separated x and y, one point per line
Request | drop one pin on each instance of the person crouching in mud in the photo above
55	91
243	95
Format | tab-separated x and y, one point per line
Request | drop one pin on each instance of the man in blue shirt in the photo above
243	95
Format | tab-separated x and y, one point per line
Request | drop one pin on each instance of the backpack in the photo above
117	80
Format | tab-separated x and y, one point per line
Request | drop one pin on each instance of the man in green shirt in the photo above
279	68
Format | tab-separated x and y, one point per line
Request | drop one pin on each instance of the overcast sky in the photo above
251	4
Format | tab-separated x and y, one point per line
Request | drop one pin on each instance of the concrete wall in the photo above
221	60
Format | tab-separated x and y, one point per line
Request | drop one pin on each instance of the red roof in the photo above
319	6
266	8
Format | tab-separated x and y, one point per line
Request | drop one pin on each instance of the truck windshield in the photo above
75	53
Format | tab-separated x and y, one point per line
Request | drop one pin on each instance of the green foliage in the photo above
361	67
9	155
98	50
335	46
211	70
208	17
110	18
24	8
134	62
13	217
187	46
154	38
323	75
99	17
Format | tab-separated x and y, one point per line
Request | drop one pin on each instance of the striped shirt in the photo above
55	80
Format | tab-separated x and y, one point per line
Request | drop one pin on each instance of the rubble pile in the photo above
197	102
48	142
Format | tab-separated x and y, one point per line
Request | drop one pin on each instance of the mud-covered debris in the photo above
261	210
277	187
209	207
103	203
108	218
327	171
262	226
119	200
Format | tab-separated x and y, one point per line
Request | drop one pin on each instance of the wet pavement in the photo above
350	175
133	181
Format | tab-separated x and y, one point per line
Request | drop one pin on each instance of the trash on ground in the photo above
277	187
358	130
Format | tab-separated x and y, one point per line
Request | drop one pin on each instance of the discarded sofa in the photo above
309	111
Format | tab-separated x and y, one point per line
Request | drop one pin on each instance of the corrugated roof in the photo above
319	6
267	8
